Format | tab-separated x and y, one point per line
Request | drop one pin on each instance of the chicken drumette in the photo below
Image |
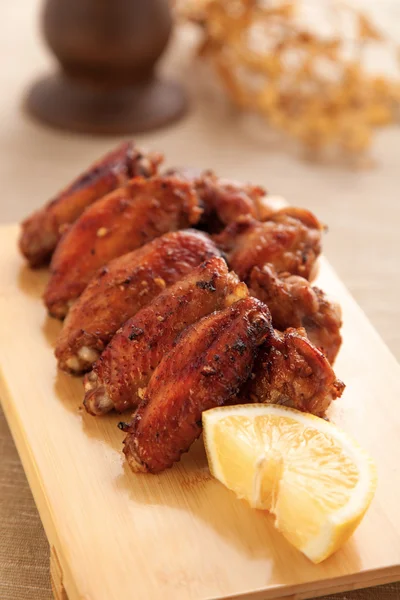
42	230
206	368
122	288
290	239
119	378
118	223
290	370
224	200
294	302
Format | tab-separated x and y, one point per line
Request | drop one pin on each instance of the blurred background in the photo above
357	199
358	204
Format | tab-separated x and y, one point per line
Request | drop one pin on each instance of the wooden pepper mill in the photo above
107	50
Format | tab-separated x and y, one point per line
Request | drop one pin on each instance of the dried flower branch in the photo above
298	80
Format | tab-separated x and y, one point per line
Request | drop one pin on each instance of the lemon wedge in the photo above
314	479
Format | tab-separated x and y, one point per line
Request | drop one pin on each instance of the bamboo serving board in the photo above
180	535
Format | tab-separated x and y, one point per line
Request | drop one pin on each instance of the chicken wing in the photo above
289	370
293	302
290	239
206	368
42	230
120	376
122	288
118	223
224	200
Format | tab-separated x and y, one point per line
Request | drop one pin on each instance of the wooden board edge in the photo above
30	468
59	592
325	268
57	576
35	484
317	589
368	583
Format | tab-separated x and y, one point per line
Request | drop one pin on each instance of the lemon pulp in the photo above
311	476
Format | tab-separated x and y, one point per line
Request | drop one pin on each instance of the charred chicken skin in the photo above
290	240
290	370
223	201
42	231
118	223
206	368
293	302
120	376
122	288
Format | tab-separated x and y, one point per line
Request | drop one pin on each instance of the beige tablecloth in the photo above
361	208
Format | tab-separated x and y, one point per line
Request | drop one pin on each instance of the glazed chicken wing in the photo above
120	376
293	302
42	230
206	368
118	223
289	370
290	240
122	288
223	200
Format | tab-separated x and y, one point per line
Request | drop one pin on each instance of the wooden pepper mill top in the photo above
107	51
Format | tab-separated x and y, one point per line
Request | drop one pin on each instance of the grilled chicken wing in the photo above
206	368
121	374
42	230
289	370
118	223
122	288
290	239
293	302
223	200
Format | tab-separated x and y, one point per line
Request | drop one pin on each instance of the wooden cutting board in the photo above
180	535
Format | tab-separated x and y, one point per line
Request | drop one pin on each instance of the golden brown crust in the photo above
42	230
224	200
121	374
293	302
206	368
122	288
290	239
289	370
118	223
